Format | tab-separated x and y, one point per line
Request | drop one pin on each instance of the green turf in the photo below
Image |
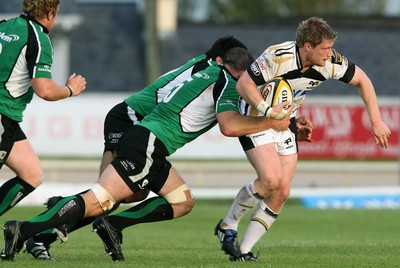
300	238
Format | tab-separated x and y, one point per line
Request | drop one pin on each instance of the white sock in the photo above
245	200
260	222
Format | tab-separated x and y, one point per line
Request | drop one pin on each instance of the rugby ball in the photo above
277	91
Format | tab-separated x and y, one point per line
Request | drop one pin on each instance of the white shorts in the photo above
285	141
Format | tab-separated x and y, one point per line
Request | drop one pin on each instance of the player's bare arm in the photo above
49	90
233	124
379	130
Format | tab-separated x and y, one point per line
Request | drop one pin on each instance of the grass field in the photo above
300	238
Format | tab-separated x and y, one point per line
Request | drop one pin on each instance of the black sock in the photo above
151	210
66	210
46	238
79	224
13	191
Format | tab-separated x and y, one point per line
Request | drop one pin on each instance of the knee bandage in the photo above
180	194
106	201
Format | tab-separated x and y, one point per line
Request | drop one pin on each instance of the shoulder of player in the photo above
285	48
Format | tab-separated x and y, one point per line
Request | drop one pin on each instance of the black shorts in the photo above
118	119
141	160
10	133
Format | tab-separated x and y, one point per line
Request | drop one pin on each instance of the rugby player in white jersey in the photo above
305	63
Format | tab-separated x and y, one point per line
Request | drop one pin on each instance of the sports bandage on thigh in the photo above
106	201
180	194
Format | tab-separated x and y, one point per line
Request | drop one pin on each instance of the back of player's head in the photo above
238	58
314	30
222	45
39	9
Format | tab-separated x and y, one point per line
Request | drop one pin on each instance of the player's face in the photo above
321	53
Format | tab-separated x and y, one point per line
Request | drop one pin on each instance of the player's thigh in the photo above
265	160
288	164
25	163
108	157
174	180
114	184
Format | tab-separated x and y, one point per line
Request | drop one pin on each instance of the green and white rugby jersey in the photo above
190	109
146	100
26	52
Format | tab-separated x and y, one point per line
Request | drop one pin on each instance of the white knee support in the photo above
180	194
106	201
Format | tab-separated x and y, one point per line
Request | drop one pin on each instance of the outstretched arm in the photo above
233	124
380	131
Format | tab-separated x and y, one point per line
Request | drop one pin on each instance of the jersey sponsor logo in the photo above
115	135
202	75
70	204
143	184
228	103
262	134
255	69
269	65
313	84
285	145
337	58
16	199
45	68
9	38
287	141
261	64
127	165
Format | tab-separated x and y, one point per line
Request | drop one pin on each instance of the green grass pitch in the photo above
300	238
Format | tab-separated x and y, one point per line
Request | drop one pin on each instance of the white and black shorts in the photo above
10	132
141	160
118	119
285	141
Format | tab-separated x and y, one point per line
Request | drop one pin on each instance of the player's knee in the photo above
137	196
179	195
181	199
269	182
183	208
283	193
34	176
105	199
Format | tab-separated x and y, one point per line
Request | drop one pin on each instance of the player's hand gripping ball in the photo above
277	91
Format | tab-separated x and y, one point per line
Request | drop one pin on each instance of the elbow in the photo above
46	95
229	131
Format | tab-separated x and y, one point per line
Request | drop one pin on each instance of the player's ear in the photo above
307	46
219	60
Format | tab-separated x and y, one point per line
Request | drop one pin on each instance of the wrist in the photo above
71	91
264	108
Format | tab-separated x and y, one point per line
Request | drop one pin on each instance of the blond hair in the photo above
314	30
39	9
